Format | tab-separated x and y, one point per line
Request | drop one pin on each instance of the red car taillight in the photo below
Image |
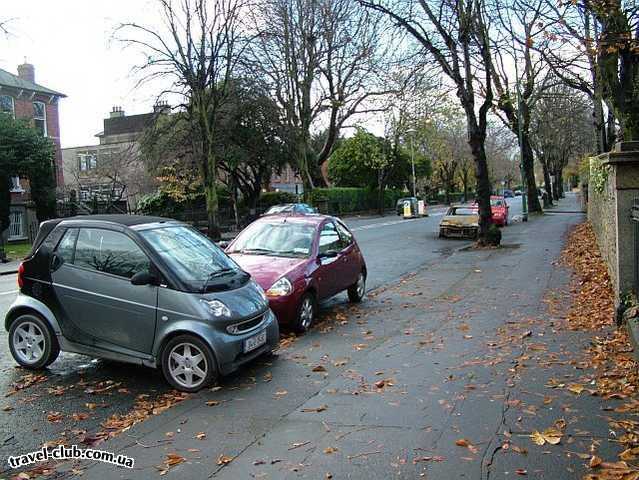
21	275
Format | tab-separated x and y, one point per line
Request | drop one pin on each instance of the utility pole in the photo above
412	132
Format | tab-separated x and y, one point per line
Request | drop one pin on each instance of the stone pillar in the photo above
612	223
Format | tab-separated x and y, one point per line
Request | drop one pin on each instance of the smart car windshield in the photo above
191	255
279	239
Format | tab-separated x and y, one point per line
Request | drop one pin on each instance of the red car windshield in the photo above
279	239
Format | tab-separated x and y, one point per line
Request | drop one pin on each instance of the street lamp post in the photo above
412	131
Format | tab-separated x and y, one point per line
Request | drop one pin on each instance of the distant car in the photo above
517	193
145	290
508	194
460	221
297	208
413	205
499	208
300	260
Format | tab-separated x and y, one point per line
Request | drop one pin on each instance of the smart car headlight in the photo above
217	308
280	288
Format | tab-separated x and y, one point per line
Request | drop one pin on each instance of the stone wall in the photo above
612	188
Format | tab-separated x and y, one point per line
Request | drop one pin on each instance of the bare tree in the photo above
322	59
455	36
597	52
522	36
197	54
561	131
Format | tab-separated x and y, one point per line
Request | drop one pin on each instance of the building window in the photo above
87	161
40	117
7	105
15	185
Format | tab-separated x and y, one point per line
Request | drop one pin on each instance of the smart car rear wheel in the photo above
32	342
188	363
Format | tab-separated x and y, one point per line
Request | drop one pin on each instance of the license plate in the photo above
255	341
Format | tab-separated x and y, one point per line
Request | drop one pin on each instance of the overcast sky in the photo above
69	43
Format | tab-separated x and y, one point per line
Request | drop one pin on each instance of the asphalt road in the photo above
391	245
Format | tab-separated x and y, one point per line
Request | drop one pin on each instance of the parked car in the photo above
508	193
144	290
298	208
499	208
413	205
299	261
517	193
460	221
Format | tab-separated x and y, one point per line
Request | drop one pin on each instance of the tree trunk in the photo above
560	183
555	186
380	193
547	184
210	192
528	160
476	142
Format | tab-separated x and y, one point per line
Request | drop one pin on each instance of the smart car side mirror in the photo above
143	278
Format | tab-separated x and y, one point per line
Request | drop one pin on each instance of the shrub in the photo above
268	199
342	200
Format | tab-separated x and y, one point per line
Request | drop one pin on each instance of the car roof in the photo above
119	219
289	217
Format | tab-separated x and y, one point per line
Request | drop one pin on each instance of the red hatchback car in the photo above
300	260
499	208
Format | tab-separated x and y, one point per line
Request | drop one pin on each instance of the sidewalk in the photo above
445	375
9	268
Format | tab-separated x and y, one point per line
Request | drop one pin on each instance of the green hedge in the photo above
343	200
268	199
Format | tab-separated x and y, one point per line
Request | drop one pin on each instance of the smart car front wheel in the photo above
188	363
32	342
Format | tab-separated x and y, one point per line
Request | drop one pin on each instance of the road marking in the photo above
382	224
9	293
394	222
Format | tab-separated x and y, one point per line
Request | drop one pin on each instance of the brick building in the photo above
22	97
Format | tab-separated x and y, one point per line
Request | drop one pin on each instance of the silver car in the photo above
137	289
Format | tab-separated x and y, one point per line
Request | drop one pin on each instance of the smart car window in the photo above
65	248
347	237
109	252
329	240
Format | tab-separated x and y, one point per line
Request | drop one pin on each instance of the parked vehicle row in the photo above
156	292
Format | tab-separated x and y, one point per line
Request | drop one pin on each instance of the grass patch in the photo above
17	251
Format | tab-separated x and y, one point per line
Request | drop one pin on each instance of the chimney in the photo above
162	107
116	112
26	71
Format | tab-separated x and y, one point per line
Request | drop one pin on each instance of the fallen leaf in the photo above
319	409
224	460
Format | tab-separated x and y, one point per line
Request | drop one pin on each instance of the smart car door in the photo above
94	289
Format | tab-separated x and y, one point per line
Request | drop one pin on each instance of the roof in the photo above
127	124
292	217
121	219
8	79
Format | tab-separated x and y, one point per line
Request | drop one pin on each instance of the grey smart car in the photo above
145	290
